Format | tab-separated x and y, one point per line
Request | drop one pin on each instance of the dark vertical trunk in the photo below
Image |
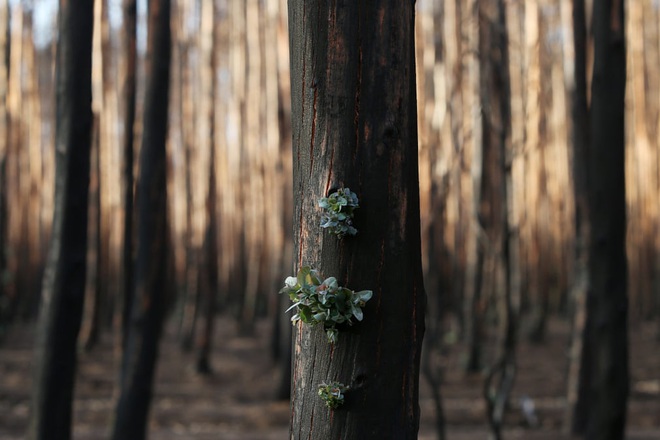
4	139
149	303
354	125
606	343
128	91
578	368
495	95
89	332
64	280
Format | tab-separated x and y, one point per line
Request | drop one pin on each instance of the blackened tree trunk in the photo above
606	343
4	139
129	36
494	206
64	281
149	304
578	367
354	125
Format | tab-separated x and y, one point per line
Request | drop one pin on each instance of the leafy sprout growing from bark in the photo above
324	302
338	210
332	394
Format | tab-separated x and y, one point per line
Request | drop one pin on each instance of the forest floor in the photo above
236	402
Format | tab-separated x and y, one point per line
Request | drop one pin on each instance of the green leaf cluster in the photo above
324	302
332	394
338	212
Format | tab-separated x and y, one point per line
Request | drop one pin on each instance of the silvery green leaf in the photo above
292	307
357	312
323	203
291	282
320	317
364	295
331	282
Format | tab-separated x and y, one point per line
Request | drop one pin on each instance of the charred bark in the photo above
149	302
64	281
354	125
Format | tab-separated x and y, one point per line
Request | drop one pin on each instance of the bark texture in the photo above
354	125
64	281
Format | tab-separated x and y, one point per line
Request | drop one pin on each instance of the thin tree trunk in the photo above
578	369
494	208
89	332
139	362
128	66
64	282
210	258
4	139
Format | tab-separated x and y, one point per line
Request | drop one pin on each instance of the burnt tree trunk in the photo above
606	337
128	93
495	205
64	281
578	369
354	125
149	303
4	139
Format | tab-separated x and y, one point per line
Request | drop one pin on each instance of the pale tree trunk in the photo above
12	159
31	175
354	125
476	242
432	201
283	351
194	197
209	278
64	281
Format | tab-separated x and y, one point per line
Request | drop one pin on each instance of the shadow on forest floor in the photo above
236	402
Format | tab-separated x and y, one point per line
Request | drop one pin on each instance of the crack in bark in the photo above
313	136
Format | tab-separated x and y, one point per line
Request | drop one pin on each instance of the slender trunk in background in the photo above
209	273
494	206
354	125
139	362
4	83
476	242
64	281
89	332
12	151
128	93
189	123
606	333
578	366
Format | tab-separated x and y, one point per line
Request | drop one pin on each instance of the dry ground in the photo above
236	402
